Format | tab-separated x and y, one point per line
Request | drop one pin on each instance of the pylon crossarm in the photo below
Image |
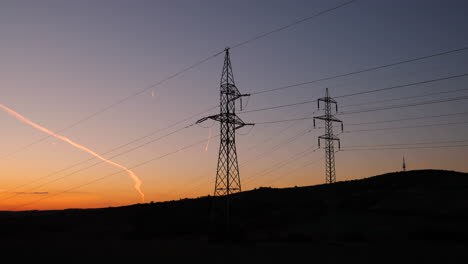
329	137
237	97
228	118
206	118
236	120
243	125
328	118
327	100
202	120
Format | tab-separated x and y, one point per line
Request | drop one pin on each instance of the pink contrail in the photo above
76	145
208	142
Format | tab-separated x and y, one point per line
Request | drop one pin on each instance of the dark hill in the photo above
421	213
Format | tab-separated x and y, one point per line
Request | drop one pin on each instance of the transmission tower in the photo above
329	137
227	174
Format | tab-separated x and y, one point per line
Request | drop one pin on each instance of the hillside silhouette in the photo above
420	213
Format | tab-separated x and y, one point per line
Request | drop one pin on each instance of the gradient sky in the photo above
64	60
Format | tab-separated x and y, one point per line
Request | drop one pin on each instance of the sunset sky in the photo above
63	61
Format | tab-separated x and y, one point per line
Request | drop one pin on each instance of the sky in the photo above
62	61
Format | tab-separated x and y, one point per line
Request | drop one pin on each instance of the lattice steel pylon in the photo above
227	174
329	137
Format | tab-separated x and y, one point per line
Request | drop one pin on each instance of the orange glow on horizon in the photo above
135	178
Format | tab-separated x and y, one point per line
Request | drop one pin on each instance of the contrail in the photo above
208	142
76	145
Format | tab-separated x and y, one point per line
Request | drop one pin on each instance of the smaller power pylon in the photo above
329	137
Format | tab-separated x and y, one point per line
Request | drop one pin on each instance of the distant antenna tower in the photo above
329	137
404	164
227	174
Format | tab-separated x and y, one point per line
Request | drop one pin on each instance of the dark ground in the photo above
418	216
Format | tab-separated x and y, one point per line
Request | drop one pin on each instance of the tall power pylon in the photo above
227	174
404	164
329	137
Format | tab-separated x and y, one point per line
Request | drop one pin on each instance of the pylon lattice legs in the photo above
227	173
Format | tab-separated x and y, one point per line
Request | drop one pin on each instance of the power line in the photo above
284	120
116	148
116	103
253	146
269	170
408	144
191	190
173	76
408	97
290	160
363	123
188	192
405	119
406	105
417	147
192	66
278	146
364	70
281	106
242	43
278	106
370	91
346	148
99	162
393	128
112	174
279	165
262	155
292	24
405	85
